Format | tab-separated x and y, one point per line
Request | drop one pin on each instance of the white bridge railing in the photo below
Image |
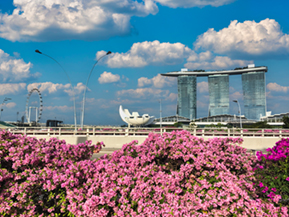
121	131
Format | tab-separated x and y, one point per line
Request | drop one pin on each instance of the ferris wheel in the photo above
37	109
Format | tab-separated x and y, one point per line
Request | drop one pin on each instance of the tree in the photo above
285	120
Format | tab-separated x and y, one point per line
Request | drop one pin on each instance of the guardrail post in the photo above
228	132
59	131
262	132
25	131
203	132
49	132
195	132
280	133
87	132
93	131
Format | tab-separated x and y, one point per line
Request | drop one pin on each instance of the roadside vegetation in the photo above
174	174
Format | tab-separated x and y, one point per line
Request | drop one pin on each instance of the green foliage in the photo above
219	125
285	119
260	124
178	124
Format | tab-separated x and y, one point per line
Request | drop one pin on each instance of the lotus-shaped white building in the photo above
135	119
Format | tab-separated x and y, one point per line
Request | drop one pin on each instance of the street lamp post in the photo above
5	100
236	101
160	101
75	123
84	92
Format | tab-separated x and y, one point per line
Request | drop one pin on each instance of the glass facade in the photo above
254	95
187	96
219	94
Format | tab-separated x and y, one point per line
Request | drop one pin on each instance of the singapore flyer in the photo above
37	109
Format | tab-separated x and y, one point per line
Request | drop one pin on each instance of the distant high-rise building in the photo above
253	80
254	95
219	94
187	96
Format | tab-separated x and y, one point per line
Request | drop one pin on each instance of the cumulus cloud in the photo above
193	3
71	19
249	37
47	87
11	88
48	20
236	95
203	87
78	89
172	97
148	53
155	53
277	88
53	88
142	93
108	77
63	108
10	105
218	62
157	81
13	69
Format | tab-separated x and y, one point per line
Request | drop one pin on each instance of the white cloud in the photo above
63	108
158	81
218	62
78	89
236	95
172	97
10	105
155	53
193	3
108	77
249	37
53	88
277	88
12	69
148	53
47	87
71	19
203	87
143	93
11	88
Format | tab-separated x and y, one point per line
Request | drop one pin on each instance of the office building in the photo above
219	94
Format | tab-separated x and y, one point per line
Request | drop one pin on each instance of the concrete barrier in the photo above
116	142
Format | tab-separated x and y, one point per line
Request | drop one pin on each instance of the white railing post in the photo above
49	132
203	132
228	132
195	132
262	132
87	132
93	131
59	131
241	131
280	133
25	131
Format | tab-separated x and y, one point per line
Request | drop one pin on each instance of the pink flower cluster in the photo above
272	172
175	174
279	151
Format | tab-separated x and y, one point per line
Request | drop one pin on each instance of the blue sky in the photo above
146	38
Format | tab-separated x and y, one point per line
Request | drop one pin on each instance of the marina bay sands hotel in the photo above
253	83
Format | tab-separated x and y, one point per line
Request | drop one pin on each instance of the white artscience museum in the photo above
135	119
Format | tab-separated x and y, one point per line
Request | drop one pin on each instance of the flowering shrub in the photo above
171	175
272	172
30	171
